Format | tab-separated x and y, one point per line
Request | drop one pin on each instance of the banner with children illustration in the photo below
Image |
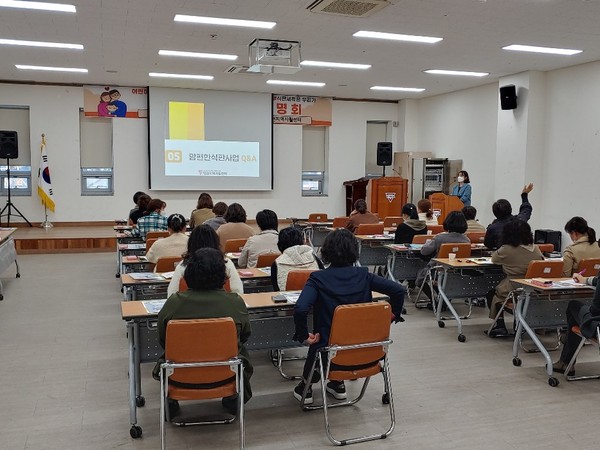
115	101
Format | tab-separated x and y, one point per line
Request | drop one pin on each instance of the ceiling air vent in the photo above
348	8
238	68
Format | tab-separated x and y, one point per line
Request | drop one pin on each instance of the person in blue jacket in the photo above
341	283
463	189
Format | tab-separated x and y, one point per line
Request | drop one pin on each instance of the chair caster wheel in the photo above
461	338
553	381
140	401
441	324
135	431
18	275
117	275
385	399
1	297
516	362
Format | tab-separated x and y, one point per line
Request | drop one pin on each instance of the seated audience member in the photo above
204	236
360	215
263	242
206	299
584	245
219	210
294	256
515	254
141	210
411	225
580	314
173	245
203	211
426	213
235	226
136	197
340	284
153	221
502	210
472	224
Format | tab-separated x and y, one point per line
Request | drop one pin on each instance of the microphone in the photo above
396	172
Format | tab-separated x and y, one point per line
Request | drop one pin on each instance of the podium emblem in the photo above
390	196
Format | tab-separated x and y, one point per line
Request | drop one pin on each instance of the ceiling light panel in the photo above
534	49
40	44
296	83
224	21
456	72
50	69
397	37
181	75
60	7
394	88
336	65
197	55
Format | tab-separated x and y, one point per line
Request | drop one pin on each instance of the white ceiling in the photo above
124	36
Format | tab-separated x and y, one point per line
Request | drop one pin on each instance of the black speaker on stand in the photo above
508	97
384	154
9	149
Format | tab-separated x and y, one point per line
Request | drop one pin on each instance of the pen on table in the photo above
580	273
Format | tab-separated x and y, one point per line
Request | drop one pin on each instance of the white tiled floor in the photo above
63	381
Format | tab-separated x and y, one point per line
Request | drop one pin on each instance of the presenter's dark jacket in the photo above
210	304
327	289
493	234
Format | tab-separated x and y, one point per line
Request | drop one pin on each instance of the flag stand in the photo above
46	223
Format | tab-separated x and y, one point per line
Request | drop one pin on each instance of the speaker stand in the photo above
9	204
383	171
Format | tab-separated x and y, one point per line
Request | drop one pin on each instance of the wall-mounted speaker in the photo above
9	145
508	97
384	153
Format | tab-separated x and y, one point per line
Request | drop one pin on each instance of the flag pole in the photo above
46	224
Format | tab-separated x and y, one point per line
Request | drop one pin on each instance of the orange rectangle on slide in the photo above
186	121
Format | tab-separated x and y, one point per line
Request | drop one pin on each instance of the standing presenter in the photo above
463	189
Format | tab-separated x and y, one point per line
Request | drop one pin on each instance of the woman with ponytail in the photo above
410	226
426	213
173	245
584	245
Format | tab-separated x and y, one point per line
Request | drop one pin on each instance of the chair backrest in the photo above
266	259
369	228
421	238
392	221
166	263
544	269
590	265
339	222
296	279
156	234
150	243
234	245
462	250
476	237
435	229
184	287
317	217
546	248
360	323
218	339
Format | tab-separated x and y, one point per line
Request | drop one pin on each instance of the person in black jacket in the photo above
410	226
502	209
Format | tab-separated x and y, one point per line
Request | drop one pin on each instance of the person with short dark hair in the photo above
219	211
173	245
263	242
515	254
203	236
295	255
426	213
584	245
341	283
411	225
136	197
455	226
203	211
473	224
235	226
152	221
141	210
360	215
463	189
502	210
205	275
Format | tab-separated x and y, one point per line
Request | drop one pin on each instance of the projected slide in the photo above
210	140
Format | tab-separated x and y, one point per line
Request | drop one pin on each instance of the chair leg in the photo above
240	386
163	406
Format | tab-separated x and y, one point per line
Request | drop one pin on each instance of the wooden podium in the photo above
355	190
387	195
443	204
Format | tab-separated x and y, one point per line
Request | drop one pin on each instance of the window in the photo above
314	157
96	155
16	118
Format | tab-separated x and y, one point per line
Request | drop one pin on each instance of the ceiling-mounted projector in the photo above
274	56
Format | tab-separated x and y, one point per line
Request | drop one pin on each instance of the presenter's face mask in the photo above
460	179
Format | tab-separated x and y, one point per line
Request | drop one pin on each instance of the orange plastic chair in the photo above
369	228
546	248
266	259
462	250
150	243
595	341
392	221
317	217
435	229
156	234
184	287
339	222
166	263
215	364
234	245
297	279
357	348
476	237
590	265
421	238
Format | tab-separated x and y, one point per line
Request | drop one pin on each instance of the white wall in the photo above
54	110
